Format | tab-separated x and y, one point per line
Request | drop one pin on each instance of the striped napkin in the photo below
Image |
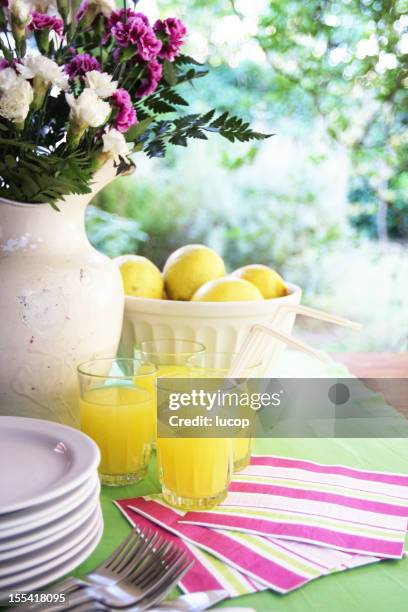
208	572
284	523
239	562
335	506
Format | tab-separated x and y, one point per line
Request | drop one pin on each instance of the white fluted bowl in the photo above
219	326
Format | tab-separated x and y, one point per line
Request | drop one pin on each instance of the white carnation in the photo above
101	83
88	110
44	68
20	11
15	101
115	145
8	78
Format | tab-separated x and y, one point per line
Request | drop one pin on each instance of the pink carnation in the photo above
136	32
80	64
41	21
126	115
150	79
171	32
119	15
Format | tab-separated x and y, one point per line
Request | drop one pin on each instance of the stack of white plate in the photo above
50	516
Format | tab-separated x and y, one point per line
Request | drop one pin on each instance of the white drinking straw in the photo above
312	313
257	342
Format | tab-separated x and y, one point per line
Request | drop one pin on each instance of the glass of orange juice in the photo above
118	411
194	471
218	365
170	356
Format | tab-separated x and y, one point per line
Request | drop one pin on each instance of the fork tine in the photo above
166	548
163	548
118	550
134	544
160	593
154	572
171	555
154	565
137	575
160	579
135	538
148	573
132	548
132	557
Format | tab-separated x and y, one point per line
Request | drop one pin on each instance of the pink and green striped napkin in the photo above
241	563
334	506
208	572
284	523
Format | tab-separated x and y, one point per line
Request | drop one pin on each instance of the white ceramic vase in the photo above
61	303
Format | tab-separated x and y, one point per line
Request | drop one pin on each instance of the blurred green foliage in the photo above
112	233
350	58
330	78
248	213
341	62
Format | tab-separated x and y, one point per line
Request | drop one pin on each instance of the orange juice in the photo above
121	420
149	383
194	472
241	447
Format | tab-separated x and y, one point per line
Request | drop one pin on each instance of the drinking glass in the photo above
194	472
170	357
217	365
117	410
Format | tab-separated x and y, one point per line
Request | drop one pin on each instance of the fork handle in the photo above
69	584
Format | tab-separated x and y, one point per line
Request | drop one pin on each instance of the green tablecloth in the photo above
382	587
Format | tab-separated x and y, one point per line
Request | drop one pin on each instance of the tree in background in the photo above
343	62
350	59
318	74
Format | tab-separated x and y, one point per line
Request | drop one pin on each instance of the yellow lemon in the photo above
227	289
141	278
269	283
190	267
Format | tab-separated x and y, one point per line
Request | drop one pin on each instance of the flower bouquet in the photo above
82	84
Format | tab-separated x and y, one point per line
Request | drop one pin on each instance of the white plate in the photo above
52	571
38	538
50	512
40	568
11	568
34	533
42	461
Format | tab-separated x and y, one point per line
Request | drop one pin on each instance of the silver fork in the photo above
157	582
118	566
